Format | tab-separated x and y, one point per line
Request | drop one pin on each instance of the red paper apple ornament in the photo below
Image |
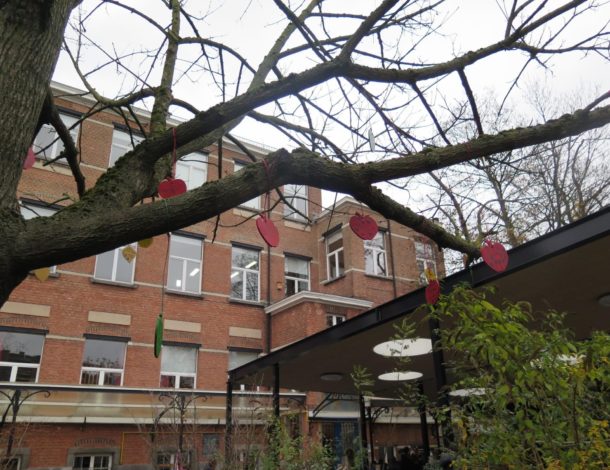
364	226
30	159
433	291
171	187
495	255
268	231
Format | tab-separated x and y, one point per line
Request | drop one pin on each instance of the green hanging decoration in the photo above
159	335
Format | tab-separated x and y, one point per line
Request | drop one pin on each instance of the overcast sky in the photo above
251	26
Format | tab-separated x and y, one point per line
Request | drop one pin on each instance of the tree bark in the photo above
30	38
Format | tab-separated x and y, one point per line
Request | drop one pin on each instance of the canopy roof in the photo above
567	270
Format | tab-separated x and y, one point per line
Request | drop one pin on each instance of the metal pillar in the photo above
229	420
365	446
423	422
440	375
276	391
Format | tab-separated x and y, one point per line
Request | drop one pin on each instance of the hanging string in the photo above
267	202
174	152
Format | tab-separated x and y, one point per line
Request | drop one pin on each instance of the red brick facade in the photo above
72	305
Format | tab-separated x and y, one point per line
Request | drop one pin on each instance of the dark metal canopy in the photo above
566	270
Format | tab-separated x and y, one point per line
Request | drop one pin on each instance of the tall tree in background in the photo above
327	79
519	195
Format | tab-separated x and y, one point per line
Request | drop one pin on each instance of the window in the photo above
103	362
244	273
296	271
184	269
375	255
31	211
335	262
47	143
192	169
211	445
238	358
122	142
112	266
296	195
13	463
20	356
332	319
254	203
173	461
178	366
424	256
92	462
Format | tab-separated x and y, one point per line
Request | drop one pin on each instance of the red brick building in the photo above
85	335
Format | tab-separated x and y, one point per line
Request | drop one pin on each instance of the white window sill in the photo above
253	303
107	282
330	281
194	295
378	276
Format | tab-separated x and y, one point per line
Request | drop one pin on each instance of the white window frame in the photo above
297	196
26	365
92	460
333	319
57	145
117	253
188	164
190	241
31	211
426	259
334	254
296	280
103	370
243	272
375	252
122	140
178	375
254	203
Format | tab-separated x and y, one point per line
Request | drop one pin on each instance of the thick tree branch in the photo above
110	229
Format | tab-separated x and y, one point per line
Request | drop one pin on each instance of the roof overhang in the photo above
566	270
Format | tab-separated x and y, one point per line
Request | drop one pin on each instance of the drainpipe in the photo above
395	290
268	315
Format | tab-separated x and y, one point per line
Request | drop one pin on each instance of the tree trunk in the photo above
30	39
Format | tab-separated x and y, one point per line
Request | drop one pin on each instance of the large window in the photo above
184	270
48	145
245	274
424	257
238	358
31	211
254	203
296	195
192	169
375	255
92	462
20	356
178	366
122	142
112	266
335	262
103	362
296	272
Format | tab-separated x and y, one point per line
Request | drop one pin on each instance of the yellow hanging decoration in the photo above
430	275
128	253
42	274
145	243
